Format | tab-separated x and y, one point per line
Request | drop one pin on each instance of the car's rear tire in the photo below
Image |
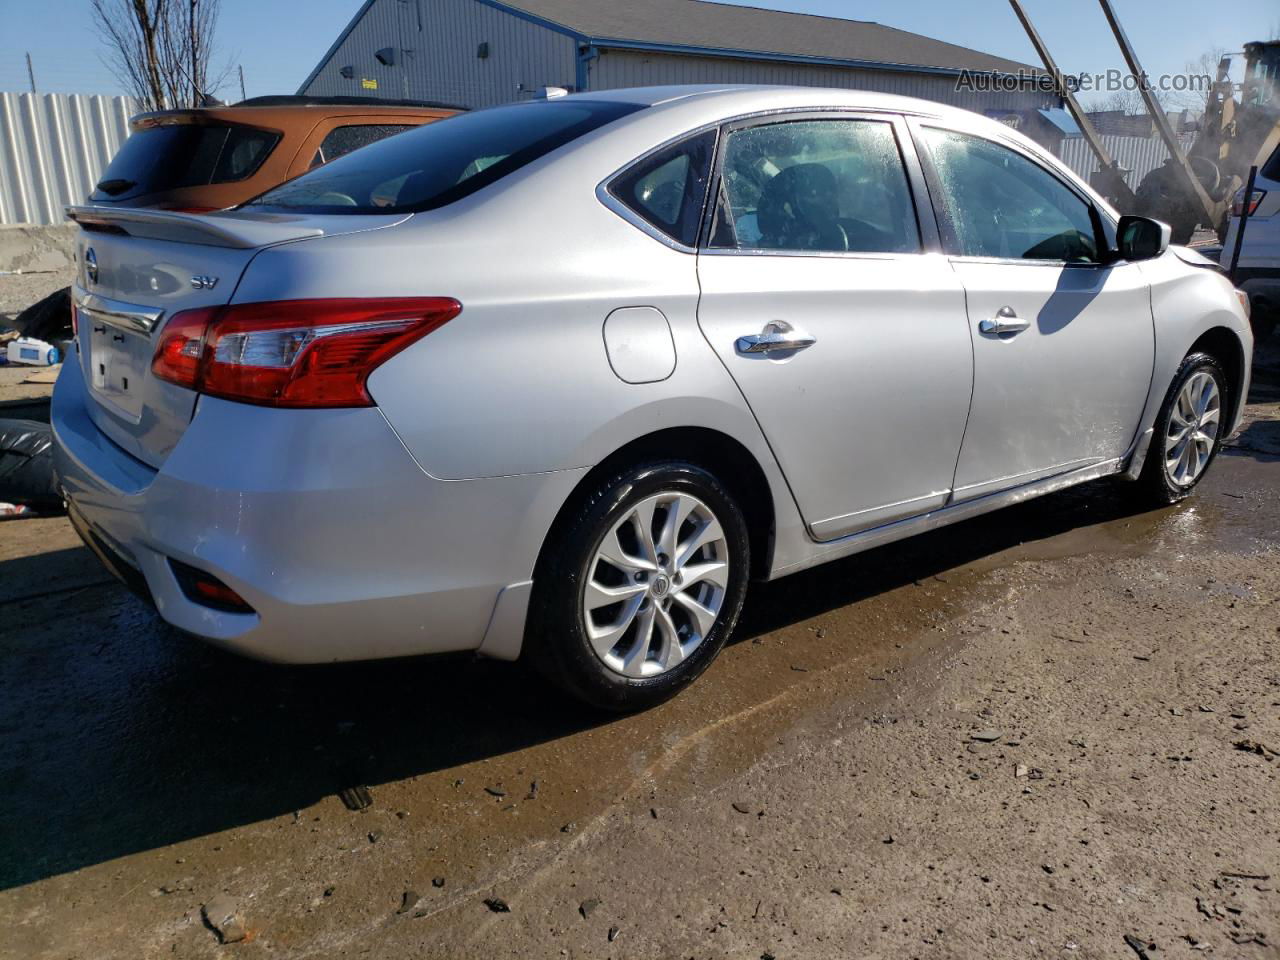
623	621
1189	431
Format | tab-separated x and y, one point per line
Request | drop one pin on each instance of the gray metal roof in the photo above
752	30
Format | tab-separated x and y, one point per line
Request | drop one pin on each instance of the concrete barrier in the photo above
32	249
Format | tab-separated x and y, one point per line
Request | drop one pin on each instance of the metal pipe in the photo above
1244	221
1158	115
1119	188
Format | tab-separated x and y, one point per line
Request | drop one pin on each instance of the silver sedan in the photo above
555	380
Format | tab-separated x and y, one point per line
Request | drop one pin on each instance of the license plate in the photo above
117	365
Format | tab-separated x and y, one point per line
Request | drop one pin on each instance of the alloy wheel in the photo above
1193	428
655	584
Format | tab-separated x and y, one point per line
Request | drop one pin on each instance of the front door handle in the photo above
778	337
1005	321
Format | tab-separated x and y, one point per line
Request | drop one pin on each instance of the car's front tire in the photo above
640	586
1189	431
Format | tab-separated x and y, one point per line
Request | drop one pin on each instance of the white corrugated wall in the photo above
628	68
1140	155
53	147
436	45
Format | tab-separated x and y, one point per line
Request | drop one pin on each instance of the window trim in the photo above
1097	215
605	194
926	229
930	242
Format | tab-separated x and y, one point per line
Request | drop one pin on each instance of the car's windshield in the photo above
444	161
175	155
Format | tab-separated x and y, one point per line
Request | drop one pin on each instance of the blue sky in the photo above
279	41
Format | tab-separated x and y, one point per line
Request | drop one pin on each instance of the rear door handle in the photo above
1006	320
778	336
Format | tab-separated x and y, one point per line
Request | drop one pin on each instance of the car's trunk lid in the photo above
136	269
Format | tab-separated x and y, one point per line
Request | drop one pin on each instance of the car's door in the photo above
844	331
1063	341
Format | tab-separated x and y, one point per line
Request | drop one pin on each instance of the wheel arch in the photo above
732	463
1225	346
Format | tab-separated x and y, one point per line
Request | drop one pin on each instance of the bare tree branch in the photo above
160	50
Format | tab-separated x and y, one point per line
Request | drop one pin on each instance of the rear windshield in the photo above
441	162
183	155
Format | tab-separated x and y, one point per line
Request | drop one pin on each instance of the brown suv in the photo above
217	157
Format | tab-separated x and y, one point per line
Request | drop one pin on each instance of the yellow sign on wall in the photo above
369	83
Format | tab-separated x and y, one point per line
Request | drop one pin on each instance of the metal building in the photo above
478	53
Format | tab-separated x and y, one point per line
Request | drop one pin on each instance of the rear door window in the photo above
340	141
438	163
171	156
668	189
831	186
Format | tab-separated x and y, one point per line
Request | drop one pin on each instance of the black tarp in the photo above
26	465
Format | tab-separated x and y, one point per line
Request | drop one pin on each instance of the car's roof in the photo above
730	99
751	94
284	116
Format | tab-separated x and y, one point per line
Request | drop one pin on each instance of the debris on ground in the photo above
26	466
497	905
1139	946
222	915
408	901
356	798
588	907
47	319
1254	746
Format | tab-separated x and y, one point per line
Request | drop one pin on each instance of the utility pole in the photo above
31	73
243	95
194	44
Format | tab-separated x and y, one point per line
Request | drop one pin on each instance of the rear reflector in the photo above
207	590
294	353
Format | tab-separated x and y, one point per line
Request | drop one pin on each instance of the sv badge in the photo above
204	282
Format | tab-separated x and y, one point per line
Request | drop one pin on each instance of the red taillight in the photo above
75	322
1237	205
177	356
294	353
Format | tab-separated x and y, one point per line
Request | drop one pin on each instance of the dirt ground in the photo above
1051	731
19	399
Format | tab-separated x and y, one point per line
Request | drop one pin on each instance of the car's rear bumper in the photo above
320	519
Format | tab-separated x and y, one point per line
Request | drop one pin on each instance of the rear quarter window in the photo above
668	189
340	141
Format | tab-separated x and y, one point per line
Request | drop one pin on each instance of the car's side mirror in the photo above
1141	238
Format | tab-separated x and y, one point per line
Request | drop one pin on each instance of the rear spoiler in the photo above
216	230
